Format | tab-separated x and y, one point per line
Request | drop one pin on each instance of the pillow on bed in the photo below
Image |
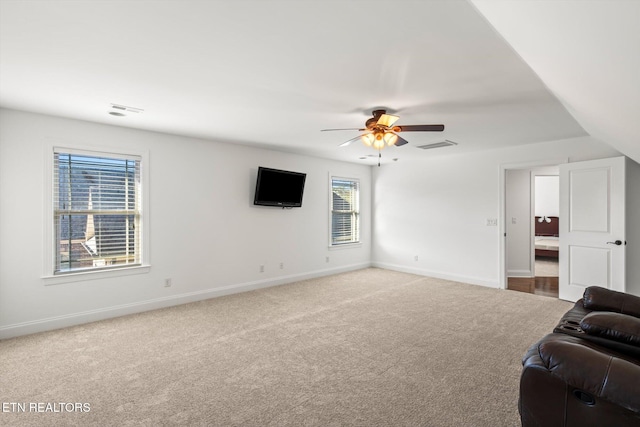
614	326
603	299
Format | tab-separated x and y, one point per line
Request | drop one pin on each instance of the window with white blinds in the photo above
96	211
345	211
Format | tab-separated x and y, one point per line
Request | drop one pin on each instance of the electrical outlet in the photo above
281	265
415	258
492	222
167	283
327	259
513	220
262	269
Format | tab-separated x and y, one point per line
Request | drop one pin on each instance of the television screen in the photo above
279	188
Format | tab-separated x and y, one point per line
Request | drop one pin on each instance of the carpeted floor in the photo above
546	267
366	348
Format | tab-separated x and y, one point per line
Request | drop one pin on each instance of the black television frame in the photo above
260	200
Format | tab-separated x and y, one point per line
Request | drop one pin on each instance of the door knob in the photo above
617	242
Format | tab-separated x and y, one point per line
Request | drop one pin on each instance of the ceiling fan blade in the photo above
387	120
400	141
419	128
327	130
344	144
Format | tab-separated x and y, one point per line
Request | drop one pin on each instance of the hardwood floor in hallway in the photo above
545	286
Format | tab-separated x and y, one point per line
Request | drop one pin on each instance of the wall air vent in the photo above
445	143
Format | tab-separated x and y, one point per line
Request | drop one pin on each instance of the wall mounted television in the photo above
279	188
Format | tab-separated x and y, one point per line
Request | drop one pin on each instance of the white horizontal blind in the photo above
97	210
345	211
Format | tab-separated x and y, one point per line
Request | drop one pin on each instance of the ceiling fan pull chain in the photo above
379	157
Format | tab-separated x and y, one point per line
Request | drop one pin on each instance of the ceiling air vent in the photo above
126	108
445	143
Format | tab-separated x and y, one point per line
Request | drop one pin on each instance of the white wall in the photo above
547	195
205	234
518	223
437	209
633	227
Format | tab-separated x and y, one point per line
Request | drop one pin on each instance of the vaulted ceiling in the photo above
587	53
273	73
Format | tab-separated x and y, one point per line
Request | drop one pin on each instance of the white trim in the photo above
502	284
92	151
345	246
48	255
489	283
83	276
73	319
330	225
519	273
532	225
48	239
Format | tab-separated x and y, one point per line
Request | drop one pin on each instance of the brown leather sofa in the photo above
587	372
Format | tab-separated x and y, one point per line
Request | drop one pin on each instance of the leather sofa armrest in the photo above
590	370
603	299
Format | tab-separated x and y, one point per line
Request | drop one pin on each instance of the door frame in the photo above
534	164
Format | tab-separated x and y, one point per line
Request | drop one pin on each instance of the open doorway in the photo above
531	230
546	223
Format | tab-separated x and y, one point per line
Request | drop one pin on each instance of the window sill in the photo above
82	276
345	246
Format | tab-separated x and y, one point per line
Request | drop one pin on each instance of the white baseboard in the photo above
520	273
64	321
439	275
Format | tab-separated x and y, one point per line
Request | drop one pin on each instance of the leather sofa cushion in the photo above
615	326
589	368
602	299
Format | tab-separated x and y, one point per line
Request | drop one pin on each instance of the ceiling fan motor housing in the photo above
372	123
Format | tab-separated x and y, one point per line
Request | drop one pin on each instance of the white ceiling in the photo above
587	53
274	72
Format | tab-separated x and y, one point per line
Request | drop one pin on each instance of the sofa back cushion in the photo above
602	299
615	326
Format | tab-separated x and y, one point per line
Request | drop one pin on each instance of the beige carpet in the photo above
546	267
365	348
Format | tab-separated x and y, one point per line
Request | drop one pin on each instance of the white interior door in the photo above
592	226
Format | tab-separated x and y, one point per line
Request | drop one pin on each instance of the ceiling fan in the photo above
380	131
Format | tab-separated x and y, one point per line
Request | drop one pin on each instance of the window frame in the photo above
50	275
356	211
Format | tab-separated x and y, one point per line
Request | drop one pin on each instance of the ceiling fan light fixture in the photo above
375	140
367	139
380	131
390	138
378	144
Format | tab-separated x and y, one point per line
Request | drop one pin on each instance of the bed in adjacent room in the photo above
546	236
